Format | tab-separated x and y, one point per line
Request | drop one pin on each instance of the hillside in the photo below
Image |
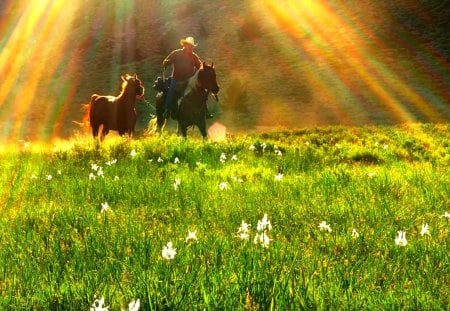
279	63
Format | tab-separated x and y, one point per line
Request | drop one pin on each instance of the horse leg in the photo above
105	131
182	129
95	128
202	127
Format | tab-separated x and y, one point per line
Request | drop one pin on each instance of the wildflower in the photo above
243	231
355	233
168	252
424	230
371	174
223	185
160	160
33	176
105	208
176	184
263	146
385	146
192	235
278	153
278	177
98	305
446	215
94	166
92	176
100	172
49	177
264	224
262	239
234	157
116	178
133	153
223	158
59	172
400	240
111	162
323	226
176	160
307	143
252	147
237	179
134	305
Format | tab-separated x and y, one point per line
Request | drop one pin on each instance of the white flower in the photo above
33	176
134	305
176	160
116	178
278	177
59	172
243	231
98	305
234	157
385	146
176	183
278	153
223	158
262	239
237	179
160	160
168	252
192	235
446	215
94	166
424	230
252	147
109	163
49	177
100	172
264	224
355	233
323	226
263	146
307	143
92	176
105	208
223	185
401	238
371	174
133	153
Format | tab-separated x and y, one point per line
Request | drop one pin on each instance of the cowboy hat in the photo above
188	40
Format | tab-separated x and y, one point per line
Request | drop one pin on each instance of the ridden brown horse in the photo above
192	105
116	113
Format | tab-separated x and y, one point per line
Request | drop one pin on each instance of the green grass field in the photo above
80	221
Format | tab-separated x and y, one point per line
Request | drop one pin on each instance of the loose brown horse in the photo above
116	113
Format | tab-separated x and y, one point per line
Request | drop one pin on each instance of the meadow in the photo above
331	218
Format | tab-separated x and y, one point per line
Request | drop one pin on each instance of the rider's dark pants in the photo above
171	96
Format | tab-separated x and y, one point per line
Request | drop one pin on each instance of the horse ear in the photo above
123	79
135	76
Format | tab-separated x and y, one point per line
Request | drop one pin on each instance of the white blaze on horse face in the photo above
192	83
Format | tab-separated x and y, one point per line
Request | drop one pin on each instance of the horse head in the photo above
207	78
132	85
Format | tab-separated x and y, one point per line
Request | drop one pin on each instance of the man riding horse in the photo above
184	62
